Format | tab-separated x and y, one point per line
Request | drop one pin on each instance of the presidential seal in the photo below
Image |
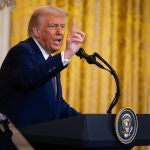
126	125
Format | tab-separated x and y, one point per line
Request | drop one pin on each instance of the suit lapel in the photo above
36	49
39	56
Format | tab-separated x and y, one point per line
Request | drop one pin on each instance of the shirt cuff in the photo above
64	61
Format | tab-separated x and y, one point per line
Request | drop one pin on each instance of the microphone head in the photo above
80	52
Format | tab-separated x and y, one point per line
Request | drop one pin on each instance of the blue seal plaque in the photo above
126	125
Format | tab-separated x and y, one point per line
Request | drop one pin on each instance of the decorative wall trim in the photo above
7	3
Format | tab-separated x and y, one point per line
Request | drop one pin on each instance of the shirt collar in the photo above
45	54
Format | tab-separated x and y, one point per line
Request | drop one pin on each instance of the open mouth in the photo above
57	41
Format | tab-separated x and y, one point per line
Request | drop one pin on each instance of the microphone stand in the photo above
92	60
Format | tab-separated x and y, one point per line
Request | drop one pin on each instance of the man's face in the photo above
50	32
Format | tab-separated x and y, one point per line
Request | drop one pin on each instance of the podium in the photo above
84	132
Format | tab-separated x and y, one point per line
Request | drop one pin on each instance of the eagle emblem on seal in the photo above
126	125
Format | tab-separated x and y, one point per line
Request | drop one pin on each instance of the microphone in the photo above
82	54
91	59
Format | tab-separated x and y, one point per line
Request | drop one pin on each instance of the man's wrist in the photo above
64	60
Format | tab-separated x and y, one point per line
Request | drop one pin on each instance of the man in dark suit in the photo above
28	94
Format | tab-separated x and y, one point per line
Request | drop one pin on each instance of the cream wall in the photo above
4	32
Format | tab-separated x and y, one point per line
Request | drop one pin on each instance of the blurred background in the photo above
118	30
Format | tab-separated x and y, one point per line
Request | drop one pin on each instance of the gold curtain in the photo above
119	31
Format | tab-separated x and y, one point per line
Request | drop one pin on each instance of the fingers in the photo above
77	37
73	26
74	40
75	33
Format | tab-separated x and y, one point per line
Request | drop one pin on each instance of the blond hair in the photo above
42	11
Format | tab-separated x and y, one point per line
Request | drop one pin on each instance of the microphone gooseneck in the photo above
91	59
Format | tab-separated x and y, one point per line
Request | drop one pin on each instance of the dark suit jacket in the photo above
26	91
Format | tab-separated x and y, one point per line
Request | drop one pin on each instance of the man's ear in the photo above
36	31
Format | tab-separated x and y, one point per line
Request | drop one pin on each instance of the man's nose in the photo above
59	30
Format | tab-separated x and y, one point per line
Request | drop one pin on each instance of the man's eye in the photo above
52	26
62	25
55	26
